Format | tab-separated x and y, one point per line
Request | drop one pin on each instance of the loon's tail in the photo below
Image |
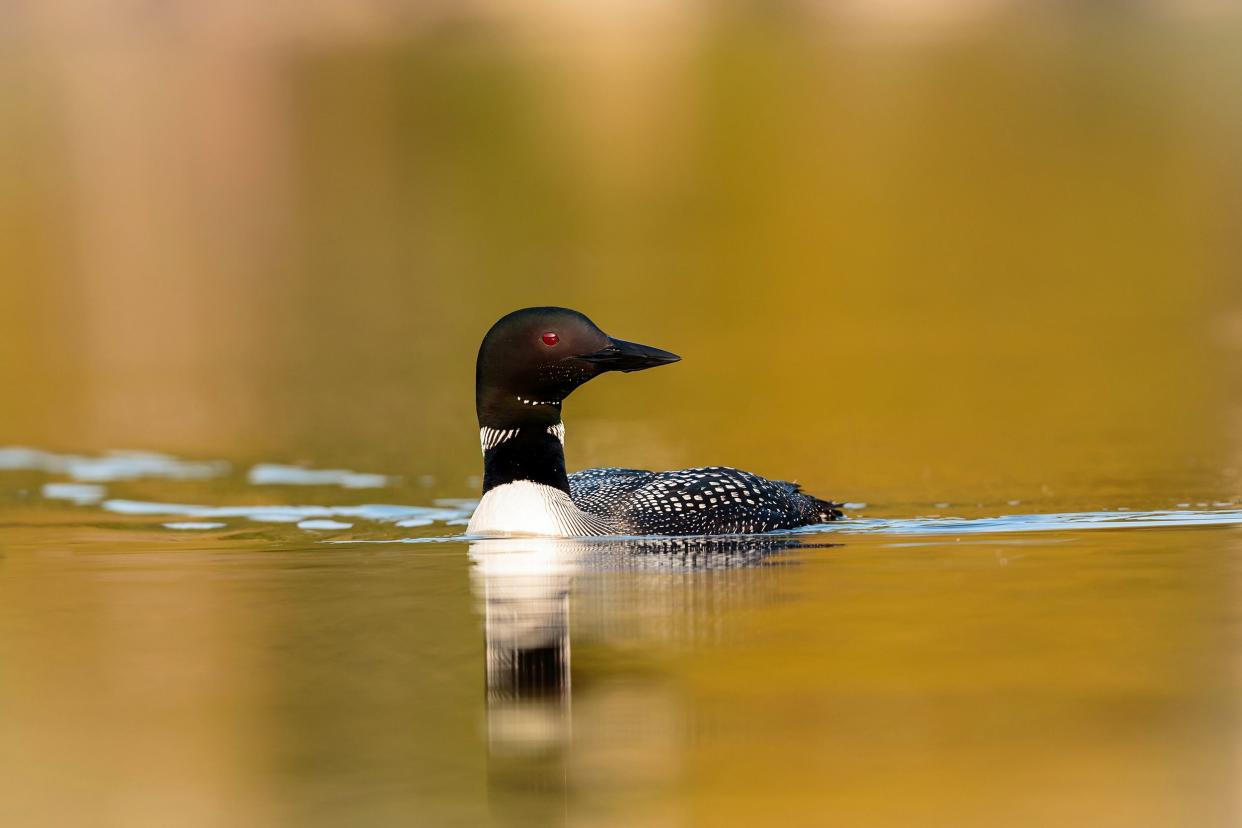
817	510
828	510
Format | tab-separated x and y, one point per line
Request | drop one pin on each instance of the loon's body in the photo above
715	500
528	363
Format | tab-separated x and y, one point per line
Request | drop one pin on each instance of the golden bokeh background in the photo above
920	246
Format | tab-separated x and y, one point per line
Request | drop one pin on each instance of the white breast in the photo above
526	508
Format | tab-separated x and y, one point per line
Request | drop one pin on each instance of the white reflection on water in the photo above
82	494
275	474
377	512
524	588
323	524
115	465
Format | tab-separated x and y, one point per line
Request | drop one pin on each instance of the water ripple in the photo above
1050	522
376	512
114	465
87	474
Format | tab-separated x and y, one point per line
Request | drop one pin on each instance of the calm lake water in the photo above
976	276
290	651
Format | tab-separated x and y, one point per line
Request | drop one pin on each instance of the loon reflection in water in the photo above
528	363
523	586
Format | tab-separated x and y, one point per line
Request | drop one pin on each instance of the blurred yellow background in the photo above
898	244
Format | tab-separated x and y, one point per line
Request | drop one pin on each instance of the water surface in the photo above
293	645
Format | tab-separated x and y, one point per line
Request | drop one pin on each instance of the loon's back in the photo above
713	500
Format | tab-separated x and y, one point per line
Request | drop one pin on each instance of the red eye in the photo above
550	339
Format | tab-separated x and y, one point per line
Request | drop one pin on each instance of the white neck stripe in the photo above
492	437
489	437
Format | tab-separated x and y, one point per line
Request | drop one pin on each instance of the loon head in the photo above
533	358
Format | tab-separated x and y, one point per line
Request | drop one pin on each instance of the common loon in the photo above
529	362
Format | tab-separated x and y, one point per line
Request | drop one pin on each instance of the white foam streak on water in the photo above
324	524
115	465
377	512
89	472
275	474
80	493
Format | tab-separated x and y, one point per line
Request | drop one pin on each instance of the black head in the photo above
533	358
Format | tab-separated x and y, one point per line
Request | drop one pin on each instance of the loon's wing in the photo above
718	500
598	491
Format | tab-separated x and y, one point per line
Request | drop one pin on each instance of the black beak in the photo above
620	355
